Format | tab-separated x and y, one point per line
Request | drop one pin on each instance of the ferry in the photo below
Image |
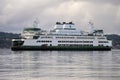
63	36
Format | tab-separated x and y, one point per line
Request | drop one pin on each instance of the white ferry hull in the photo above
59	43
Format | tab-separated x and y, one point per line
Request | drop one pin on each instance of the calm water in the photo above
59	65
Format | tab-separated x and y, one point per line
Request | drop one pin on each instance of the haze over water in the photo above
59	65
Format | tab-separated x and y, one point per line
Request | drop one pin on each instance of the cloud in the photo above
15	14
114	2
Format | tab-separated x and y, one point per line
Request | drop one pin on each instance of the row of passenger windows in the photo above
46	37
75	45
60	37
66	37
103	41
44	41
75	41
77	37
85	37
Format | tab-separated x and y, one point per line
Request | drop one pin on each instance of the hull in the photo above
64	36
62	48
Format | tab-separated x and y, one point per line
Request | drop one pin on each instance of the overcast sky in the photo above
17	14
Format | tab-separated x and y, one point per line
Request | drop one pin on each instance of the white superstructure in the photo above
63	34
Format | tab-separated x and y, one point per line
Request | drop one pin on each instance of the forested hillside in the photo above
5	39
115	40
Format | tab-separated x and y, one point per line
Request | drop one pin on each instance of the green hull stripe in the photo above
87	48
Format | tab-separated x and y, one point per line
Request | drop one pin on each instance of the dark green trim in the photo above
32	29
80	48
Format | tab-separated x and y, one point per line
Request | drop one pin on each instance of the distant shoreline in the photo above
5	40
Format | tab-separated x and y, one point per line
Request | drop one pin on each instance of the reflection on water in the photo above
59	65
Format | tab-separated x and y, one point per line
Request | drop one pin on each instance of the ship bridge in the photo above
64	26
65	29
32	32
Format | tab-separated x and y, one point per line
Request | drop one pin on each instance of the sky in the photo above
15	15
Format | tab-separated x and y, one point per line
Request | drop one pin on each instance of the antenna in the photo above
91	26
35	23
91	23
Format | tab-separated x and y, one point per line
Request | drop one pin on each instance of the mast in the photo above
91	27
35	23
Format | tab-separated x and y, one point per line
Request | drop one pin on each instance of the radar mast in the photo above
91	26
35	23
